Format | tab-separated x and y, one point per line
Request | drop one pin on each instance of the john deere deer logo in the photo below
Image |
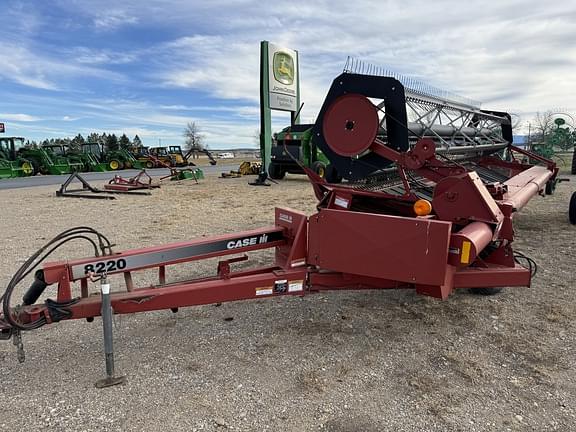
283	68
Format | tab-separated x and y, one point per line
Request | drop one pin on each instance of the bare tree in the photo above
194	140
542	125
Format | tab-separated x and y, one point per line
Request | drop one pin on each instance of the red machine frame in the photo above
420	252
466	242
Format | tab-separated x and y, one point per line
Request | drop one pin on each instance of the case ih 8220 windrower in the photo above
433	185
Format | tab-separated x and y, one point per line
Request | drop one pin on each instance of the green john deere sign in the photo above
279	90
283	68
282	78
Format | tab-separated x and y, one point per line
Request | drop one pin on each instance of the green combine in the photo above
11	164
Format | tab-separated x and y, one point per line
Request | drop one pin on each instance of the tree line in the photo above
109	141
193	140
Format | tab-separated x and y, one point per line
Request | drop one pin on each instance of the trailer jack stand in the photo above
17	341
110	379
261	180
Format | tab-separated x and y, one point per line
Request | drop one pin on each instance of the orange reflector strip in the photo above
422	207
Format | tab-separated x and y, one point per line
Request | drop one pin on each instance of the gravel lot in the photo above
346	362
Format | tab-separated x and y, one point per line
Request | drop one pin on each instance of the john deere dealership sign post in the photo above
279	90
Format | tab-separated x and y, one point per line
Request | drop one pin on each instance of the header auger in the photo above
432	189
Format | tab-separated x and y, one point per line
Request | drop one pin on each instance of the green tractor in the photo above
47	160
63	155
11	164
112	160
121	159
86	158
292	148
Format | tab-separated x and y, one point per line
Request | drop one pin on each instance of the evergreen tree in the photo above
112	142
124	142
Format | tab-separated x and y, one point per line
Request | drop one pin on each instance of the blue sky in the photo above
148	67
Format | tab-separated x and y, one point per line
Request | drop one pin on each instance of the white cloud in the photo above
26	67
86	55
18	117
112	19
516	54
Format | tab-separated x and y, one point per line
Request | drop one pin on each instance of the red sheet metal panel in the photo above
465	198
524	186
389	247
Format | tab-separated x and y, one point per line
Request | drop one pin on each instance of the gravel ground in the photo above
352	361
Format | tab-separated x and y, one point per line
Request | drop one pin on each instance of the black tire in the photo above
276	172
332	175
550	187
115	164
149	164
35	165
320	169
572	209
574	161
485	291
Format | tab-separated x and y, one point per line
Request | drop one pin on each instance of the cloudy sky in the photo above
148	67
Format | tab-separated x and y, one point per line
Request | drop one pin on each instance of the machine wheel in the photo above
550	187
27	168
572	209
114	165
574	161
38	167
149	164
276	172
485	291
332	175
319	168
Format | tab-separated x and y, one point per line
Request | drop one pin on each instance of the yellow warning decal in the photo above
465	257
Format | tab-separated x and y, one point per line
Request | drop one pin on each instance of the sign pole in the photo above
265	112
279	90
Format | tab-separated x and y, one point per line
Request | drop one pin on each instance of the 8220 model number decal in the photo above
105	266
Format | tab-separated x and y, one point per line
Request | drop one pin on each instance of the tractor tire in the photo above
115	165
27	168
574	161
572	209
485	291
320	169
38	167
332	175
35	166
149	164
276	172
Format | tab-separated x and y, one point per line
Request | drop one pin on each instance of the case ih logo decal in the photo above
249	241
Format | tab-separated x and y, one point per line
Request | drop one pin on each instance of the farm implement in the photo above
11	164
432	185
